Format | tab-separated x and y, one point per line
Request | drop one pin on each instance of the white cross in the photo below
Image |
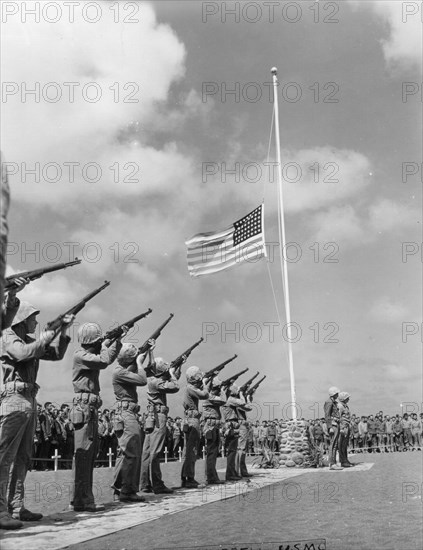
56	459
165	453
180	455
110	455
222	452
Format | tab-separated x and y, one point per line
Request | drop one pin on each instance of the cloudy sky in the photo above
119	122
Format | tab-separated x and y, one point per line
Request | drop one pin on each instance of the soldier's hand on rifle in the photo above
125	330
47	336
20	283
66	323
184	358
151	344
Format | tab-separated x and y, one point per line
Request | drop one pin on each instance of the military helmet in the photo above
88	333
234	389
194	374
343	396
161	366
127	354
24	312
333	390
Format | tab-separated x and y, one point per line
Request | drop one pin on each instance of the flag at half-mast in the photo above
243	241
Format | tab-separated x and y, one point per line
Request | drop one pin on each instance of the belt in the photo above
21	387
127	406
157	408
192	413
88	398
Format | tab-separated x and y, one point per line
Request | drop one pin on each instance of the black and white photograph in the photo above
211	275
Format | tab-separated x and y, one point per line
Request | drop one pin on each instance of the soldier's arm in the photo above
137	378
93	361
57	350
197	392
18	350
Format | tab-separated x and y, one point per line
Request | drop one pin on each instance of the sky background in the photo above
162	129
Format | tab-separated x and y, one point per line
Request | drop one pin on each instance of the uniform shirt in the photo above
192	395
362	428
211	405
21	355
397	427
406	424
331	413
380	426
87	367
263	431
126	380
344	414
388	426
229	409
158	388
371	426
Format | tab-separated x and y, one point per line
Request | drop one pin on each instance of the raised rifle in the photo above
247	384
145	347
176	364
57	323
253	389
229	381
36	273
215	370
116	333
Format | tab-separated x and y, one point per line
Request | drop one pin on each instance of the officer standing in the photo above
163	381
127	376
193	393
244	427
344	428
332	421
93	356
20	357
211	430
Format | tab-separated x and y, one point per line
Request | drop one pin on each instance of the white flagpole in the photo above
282	247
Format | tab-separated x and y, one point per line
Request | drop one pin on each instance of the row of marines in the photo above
20	355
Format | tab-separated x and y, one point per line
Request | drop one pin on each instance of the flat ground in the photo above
374	508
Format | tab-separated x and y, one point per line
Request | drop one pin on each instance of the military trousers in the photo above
151	475
85	419
17	430
191	443
127	469
344	437
241	466
231	471
333	446
212	437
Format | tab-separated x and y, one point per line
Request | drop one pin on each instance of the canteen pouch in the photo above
76	416
150	423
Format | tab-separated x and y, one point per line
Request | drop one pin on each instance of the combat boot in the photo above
7	522
26	515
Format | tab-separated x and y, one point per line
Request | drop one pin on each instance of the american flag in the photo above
214	251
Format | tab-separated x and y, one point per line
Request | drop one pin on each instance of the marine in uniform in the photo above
93	356
244	427
20	356
344	428
128	375
164	381
193	393
211	429
232	425
332	421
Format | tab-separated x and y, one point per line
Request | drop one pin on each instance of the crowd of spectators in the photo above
374	433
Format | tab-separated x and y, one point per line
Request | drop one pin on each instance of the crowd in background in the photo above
373	433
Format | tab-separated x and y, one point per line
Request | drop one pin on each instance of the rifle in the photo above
229	381
215	370
57	323
177	363
145	347
252	390
36	273
116	333
247	384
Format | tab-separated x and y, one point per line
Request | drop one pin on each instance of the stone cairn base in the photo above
295	448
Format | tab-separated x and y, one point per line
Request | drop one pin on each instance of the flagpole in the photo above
282	247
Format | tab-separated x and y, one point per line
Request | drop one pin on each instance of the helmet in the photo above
161	366
333	391
25	310
194	374
88	333
343	396
127	354
234	389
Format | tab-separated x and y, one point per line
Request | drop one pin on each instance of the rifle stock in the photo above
177	363
57	323
215	370
37	273
145	347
